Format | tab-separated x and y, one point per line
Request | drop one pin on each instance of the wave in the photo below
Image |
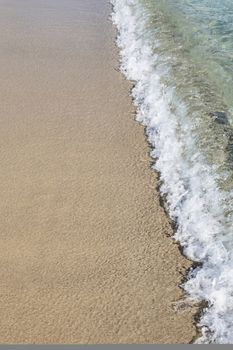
190	183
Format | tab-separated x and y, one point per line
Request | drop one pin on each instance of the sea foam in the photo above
189	182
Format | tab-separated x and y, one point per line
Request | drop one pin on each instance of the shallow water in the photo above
180	54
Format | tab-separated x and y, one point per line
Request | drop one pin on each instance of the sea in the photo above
179	54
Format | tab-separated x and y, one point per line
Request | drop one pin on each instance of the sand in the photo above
84	252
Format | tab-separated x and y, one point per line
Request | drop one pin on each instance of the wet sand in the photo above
84	252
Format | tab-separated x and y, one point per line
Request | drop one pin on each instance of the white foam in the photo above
190	184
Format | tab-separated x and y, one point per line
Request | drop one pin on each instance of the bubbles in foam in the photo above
188	180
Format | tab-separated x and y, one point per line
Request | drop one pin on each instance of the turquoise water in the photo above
205	30
179	53
198	37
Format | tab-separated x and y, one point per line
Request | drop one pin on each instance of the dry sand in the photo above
84	252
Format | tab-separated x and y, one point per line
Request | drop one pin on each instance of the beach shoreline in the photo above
85	250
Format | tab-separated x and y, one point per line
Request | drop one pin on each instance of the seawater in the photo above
179	53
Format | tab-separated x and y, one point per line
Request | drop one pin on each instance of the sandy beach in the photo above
85	255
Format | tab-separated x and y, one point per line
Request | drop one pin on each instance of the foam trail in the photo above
190	183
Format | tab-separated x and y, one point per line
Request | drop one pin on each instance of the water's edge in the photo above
199	306
189	179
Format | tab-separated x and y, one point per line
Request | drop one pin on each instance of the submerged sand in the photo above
84	252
